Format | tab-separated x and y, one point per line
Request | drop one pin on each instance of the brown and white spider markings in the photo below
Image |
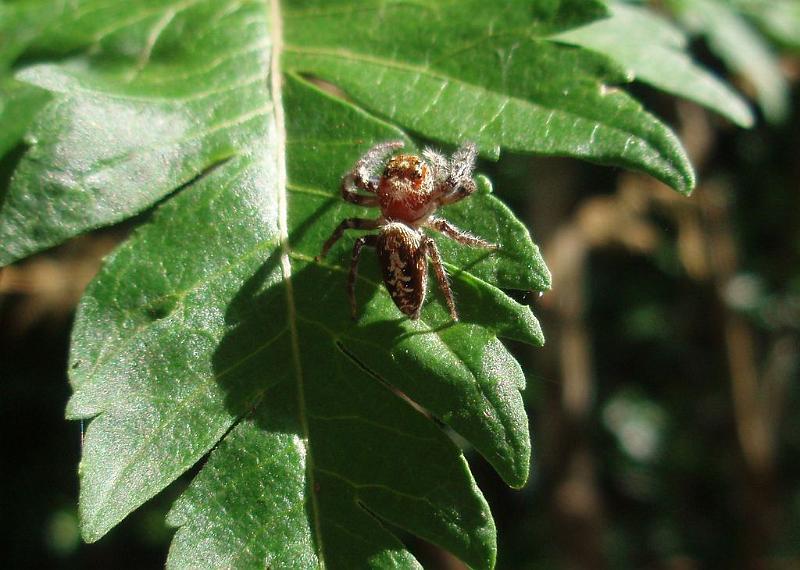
408	193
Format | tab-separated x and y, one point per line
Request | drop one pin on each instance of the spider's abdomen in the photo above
405	189
404	265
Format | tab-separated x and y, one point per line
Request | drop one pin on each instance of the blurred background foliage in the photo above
665	405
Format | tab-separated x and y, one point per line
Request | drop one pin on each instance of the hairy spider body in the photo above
404	264
408	193
405	189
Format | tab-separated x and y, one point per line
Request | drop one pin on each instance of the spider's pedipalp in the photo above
458	192
349	193
459	183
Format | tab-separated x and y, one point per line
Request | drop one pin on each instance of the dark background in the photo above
664	407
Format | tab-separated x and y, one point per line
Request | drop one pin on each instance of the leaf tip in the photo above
78	408
516	466
519	476
484	184
742	114
533	330
90	530
688	181
46	76
680	174
543	272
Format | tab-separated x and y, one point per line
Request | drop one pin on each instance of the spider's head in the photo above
406	169
406	188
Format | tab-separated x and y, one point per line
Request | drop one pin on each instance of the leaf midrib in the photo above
276	87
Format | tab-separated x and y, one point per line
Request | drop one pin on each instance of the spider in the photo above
408	193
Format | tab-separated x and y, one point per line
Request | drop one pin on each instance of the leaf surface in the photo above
780	19
212	332
485	72
172	82
742	49
244	344
654	51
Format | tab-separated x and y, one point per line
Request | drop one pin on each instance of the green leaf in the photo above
19	104
454	78
20	24
209	313
213	333
742	49
780	19
486	72
654	52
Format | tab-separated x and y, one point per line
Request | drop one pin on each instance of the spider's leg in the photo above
463	160
363	174
459	235
350	194
374	157
441	276
348	224
351	279
459	183
458	191
438	163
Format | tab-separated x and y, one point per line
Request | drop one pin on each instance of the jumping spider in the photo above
408	193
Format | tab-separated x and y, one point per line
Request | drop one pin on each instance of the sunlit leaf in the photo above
213	333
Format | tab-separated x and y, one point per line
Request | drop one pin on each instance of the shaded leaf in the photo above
742	49
19	103
780	19
654	52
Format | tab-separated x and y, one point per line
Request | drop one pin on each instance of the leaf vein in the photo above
353	418
276	89
175	410
434	74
